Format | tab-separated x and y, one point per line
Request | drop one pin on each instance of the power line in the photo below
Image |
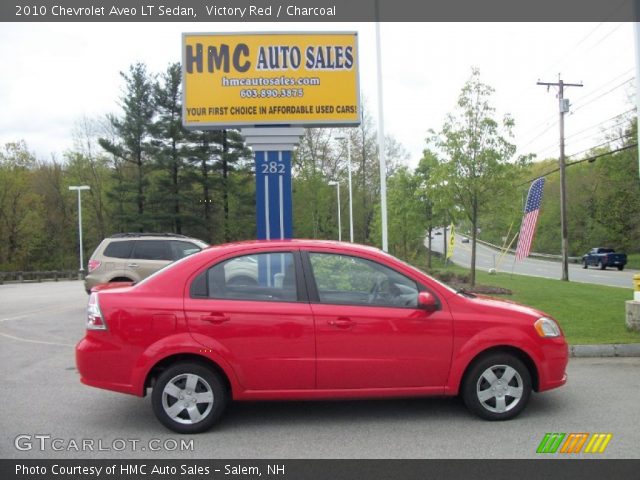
574	110
588	159
624	137
550	126
608	82
550	146
603	122
540	152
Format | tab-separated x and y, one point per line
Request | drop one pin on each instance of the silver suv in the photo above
130	257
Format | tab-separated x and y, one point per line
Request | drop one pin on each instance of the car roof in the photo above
297	243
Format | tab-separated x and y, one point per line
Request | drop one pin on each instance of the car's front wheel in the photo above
584	264
188	398
497	387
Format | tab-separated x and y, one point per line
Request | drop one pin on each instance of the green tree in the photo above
436	203
405	207
21	208
133	131
169	142
475	149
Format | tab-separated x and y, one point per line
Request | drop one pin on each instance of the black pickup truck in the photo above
603	258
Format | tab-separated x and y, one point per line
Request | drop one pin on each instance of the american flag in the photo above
528	227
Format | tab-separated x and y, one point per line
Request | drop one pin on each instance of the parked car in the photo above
465	239
603	258
325	320
131	257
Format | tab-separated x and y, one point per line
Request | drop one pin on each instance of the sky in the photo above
54	74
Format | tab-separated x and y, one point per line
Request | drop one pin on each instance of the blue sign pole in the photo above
273	208
274	215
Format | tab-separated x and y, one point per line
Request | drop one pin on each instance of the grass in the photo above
587	313
633	261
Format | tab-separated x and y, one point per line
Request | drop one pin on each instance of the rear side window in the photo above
152	250
118	249
262	277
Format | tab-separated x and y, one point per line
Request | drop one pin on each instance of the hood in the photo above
506	306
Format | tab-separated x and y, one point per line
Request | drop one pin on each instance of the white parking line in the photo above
40	342
37	312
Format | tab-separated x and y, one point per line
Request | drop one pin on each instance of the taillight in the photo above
93	264
95	320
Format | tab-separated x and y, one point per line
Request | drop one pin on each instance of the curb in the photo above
613	350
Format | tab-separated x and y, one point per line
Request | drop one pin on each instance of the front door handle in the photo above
342	322
215	318
133	265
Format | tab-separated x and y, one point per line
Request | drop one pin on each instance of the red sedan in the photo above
314	320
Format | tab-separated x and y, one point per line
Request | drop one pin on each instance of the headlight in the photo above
547	327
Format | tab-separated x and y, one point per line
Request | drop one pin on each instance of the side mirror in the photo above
427	301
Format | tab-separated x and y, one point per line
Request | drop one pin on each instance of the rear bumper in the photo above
100	365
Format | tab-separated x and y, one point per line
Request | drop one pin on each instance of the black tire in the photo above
491	408
620	267
584	264
206	381
601	265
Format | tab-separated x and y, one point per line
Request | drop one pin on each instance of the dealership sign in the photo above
249	79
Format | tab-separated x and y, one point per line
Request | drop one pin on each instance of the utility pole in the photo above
636	29
564	108
80	188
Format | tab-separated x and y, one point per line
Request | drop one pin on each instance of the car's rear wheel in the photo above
620	267
188	398
584	264
497	387
601	265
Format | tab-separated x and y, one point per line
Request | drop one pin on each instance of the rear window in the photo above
183	249
119	249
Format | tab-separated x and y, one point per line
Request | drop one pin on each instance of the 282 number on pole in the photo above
272	167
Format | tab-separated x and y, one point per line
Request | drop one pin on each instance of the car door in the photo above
262	326
370	332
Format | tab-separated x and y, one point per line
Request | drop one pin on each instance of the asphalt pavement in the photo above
44	404
487	258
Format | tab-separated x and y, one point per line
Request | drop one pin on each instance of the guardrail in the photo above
543	256
39	276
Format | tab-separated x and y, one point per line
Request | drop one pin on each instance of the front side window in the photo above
259	277
347	280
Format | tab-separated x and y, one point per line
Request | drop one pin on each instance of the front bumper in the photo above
552	371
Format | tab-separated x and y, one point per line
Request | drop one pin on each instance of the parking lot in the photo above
41	323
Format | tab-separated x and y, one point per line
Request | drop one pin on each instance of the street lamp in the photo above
337	184
344	137
79	188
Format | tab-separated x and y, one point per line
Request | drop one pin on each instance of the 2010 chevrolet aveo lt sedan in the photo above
315	320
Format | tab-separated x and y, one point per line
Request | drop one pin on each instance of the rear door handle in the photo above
342	322
215	318
133	265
